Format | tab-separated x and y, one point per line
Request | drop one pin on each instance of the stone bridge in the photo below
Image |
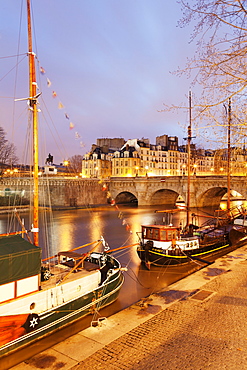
55	191
204	190
71	192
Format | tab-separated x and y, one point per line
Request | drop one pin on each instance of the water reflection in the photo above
234	204
72	228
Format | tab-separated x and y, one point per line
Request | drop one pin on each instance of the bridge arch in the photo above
126	197
211	197
214	196
164	196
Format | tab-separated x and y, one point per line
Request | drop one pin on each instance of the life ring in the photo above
45	274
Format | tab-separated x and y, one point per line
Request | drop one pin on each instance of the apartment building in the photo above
132	158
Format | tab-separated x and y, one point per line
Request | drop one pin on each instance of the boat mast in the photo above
189	150
33	109
229	158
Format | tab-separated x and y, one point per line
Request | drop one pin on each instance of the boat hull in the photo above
160	257
65	314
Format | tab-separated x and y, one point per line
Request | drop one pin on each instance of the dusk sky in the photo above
109	64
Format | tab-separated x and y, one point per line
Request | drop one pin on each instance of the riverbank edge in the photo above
26	208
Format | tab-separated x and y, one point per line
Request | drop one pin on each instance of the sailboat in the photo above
169	245
39	297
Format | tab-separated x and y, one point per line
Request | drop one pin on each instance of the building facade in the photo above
131	158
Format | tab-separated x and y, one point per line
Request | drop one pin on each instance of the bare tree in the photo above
221	35
75	163
7	154
219	65
7	150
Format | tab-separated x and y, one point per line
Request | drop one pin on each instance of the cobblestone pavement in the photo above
193	333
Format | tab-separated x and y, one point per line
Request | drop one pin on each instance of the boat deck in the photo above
59	272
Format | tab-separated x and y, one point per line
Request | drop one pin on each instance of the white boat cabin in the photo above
166	238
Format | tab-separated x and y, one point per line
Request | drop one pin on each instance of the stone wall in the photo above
56	191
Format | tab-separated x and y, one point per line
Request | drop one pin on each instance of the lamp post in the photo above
183	167
146	168
66	163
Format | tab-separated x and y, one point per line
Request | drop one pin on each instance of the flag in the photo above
66	115
60	105
48	82
54	94
42	71
71	125
77	136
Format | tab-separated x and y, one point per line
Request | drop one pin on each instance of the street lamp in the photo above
66	163
195	166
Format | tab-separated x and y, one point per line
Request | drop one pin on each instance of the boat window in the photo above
151	233
162	234
172	234
156	234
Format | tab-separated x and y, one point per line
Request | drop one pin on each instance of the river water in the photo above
118	225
